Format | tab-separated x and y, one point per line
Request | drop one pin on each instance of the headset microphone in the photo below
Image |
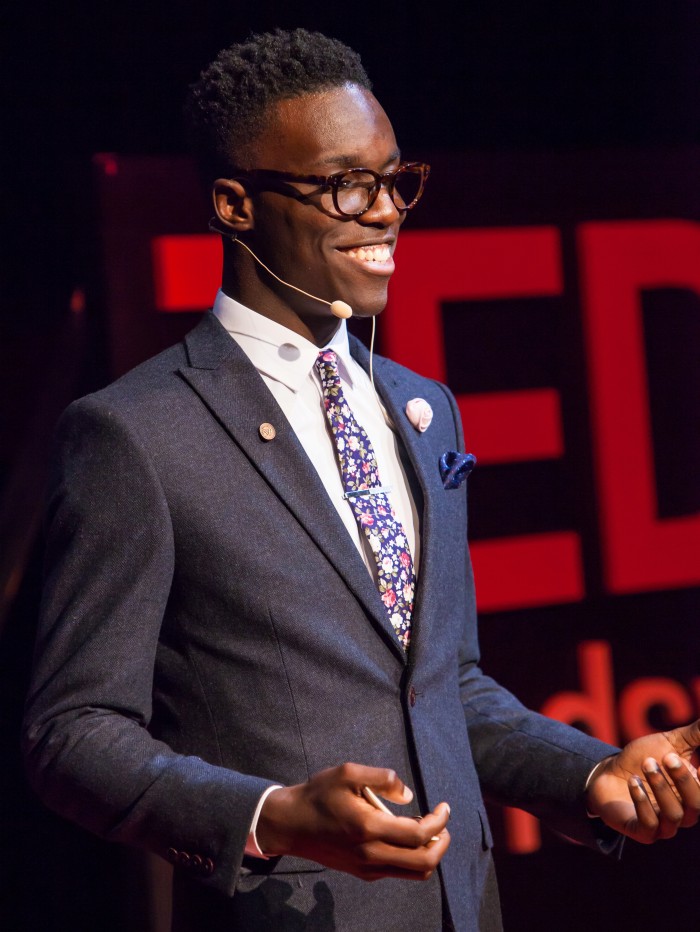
339	309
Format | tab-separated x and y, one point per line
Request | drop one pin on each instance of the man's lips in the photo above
375	257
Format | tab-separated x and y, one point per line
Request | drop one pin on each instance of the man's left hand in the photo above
650	789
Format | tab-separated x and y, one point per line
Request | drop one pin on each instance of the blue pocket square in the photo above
455	467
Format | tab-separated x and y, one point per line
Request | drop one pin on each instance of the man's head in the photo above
267	114
231	103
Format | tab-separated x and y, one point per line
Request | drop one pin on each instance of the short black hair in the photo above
229	106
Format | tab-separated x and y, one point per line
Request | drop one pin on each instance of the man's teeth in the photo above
379	253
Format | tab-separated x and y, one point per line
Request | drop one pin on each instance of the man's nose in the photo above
383	211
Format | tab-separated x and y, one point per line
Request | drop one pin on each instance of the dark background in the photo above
501	78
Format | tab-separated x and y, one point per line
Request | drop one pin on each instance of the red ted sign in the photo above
617	261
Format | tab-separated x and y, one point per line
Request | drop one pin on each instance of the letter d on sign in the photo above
594	706
618	261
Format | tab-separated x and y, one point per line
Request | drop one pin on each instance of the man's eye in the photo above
357	185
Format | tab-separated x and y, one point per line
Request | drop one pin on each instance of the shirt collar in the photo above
274	350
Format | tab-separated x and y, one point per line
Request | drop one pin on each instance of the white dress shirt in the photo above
286	362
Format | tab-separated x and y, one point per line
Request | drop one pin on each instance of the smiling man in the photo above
259	611
308	211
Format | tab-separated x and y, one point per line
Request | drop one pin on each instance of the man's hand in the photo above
328	820
650	789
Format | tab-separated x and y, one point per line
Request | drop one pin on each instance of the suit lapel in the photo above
230	386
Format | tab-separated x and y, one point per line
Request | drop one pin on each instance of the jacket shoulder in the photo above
156	382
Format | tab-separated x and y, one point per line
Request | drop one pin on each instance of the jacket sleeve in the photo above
522	758
109	566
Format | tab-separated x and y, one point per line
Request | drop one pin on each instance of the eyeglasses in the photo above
355	190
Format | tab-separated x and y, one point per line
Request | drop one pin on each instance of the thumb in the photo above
686	738
390	786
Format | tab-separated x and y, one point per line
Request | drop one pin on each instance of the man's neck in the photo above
250	291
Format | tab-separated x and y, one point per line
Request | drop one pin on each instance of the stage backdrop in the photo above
559	298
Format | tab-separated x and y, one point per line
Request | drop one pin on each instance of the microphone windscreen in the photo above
341	309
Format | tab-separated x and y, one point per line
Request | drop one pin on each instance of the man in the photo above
258	596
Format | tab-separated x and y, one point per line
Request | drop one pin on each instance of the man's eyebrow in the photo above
353	161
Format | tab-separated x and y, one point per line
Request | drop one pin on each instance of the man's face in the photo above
304	241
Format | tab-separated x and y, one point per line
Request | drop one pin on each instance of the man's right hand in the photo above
329	821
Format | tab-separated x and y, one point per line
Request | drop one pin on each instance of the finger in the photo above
441	811
644	825
375	801
670	812
419	863
686	783
403	832
381	780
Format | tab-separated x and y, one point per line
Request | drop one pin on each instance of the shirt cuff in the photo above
252	848
591	777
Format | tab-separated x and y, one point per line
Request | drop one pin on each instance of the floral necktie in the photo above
370	504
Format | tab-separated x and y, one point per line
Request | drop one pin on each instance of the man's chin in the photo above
366	313
367	305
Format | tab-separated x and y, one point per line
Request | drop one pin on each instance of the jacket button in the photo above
208	866
412	696
172	855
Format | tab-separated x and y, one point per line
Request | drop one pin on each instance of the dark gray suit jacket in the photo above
208	628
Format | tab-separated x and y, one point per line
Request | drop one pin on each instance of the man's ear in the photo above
234	208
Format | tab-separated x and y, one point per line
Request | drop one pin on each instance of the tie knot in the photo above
327	365
327	359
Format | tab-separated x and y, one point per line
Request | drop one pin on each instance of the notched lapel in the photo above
392	392
395	394
231	388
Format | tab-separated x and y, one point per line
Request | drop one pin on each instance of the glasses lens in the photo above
354	190
408	187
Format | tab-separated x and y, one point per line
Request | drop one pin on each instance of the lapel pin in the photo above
419	413
267	431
